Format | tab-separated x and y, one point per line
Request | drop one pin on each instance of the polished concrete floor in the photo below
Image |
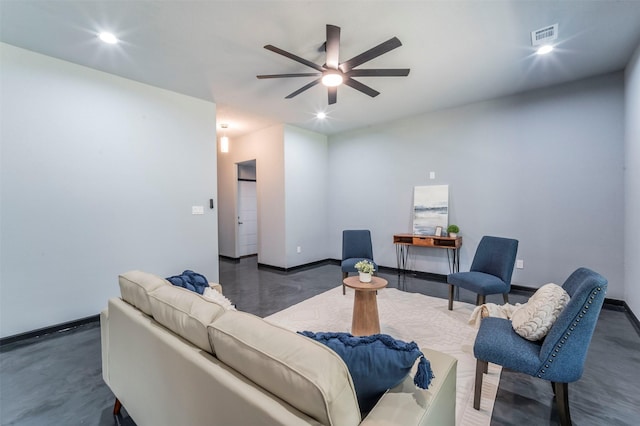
56	379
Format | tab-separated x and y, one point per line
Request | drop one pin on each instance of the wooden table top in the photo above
376	283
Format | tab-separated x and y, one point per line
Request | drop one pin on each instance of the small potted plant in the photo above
365	269
453	230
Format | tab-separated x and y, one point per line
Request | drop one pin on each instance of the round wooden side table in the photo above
365	305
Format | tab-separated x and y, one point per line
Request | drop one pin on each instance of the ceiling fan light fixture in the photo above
331	78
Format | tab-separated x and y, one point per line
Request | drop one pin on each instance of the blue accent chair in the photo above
560	356
356	246
490	271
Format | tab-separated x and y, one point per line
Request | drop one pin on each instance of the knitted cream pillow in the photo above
218	297
533	319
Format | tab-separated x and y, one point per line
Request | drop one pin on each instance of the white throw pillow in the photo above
534	319
219	298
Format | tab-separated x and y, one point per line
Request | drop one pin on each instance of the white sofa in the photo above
172	357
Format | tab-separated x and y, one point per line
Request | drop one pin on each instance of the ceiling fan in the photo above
333	73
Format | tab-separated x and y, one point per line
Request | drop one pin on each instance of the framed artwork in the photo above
438	231
430	209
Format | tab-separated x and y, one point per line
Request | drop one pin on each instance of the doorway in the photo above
247	235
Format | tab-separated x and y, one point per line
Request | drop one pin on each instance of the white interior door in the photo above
247	218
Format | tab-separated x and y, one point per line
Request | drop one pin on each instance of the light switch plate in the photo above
519	264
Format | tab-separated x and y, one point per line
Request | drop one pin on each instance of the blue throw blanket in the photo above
191	281
376	363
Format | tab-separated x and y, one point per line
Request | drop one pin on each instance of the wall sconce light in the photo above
224	144
224	140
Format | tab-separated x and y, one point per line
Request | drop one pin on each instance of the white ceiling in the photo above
458	51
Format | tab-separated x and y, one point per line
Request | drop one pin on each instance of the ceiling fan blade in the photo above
303	88
333	46
333	95
294	57
370	54
361	87
391	72
307	74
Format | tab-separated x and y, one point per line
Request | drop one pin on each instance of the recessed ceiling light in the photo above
108	38
321	115
543	50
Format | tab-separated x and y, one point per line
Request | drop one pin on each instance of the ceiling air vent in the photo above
544	35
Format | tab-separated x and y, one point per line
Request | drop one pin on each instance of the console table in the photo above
404	241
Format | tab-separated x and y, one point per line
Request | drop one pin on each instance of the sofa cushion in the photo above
534	319
185	313
135	286
306	374
376	363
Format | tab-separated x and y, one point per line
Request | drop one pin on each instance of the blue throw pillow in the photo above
191	281
376	363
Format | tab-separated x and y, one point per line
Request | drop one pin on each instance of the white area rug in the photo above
409	317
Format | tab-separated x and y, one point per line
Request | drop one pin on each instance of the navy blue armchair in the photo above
560	356
356	246
490	271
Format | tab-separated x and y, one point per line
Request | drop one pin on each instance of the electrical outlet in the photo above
432	175
299	249
197	209
520	264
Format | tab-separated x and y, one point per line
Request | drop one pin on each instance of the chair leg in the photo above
116	407
505	296
344	288
480	300
562	401
481	368
451	289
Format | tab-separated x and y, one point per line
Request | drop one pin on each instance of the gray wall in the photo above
306	178
98	177
545	167
632	184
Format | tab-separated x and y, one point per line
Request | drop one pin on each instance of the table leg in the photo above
402	254
454	267
365	314
402	282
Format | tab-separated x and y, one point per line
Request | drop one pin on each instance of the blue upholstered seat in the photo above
356	246
558	358
490	271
